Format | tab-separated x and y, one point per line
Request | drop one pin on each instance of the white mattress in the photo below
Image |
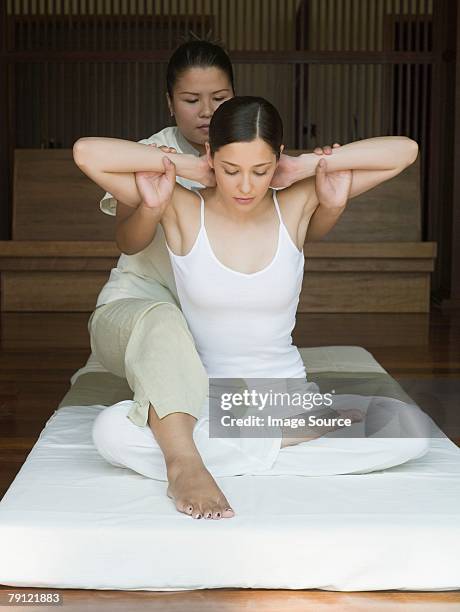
317	359
71	520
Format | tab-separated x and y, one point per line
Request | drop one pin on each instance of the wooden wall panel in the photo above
56	291
54	200
365	292
389	212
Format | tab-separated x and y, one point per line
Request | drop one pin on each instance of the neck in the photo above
200	148
239	215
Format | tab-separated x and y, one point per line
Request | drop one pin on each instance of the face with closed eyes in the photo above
243	171
197	93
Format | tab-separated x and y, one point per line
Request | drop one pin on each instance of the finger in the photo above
170	169
318	151
321	167
152	144
336	144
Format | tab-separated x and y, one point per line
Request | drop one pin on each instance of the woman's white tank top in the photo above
242	323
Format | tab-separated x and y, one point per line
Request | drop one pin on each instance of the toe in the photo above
206	510
225	508
217	512
184	506
197	510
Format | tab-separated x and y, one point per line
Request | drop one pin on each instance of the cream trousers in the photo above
150	345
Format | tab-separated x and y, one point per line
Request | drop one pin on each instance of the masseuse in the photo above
137	330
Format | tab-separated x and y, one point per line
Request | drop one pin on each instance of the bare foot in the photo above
195	491
316	432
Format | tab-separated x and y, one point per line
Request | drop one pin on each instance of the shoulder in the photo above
300	196
183	199
166	136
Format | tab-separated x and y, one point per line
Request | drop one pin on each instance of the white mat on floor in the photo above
317	359
71	520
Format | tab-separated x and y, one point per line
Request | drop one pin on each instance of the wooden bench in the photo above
62	246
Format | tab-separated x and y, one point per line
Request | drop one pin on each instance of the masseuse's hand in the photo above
207	176
287	170
332	188
163	148
156	188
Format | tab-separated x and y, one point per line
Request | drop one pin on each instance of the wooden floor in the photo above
39	353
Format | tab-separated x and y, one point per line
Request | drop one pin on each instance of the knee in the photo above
416	447
400	450
162	324
107	430
165	314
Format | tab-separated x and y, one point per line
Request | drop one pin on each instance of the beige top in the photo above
147	274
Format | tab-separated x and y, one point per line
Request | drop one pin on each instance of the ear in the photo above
281	148
208	155
170	104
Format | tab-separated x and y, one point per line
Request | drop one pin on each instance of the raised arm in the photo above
373	161
136	227
111	163
353	169
332	190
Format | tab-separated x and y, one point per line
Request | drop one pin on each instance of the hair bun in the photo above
191	36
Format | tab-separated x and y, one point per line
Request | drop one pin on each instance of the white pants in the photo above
124	444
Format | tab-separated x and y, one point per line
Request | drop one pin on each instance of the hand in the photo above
163	148
332	188
286	172
326	150
208	177
156	188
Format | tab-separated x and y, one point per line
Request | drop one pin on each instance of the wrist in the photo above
306	165
149	213
188	166
331	211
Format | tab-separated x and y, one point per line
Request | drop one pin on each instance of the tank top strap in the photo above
197	190
275	199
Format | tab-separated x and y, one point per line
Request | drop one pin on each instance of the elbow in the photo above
80	152
411	151
122	246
